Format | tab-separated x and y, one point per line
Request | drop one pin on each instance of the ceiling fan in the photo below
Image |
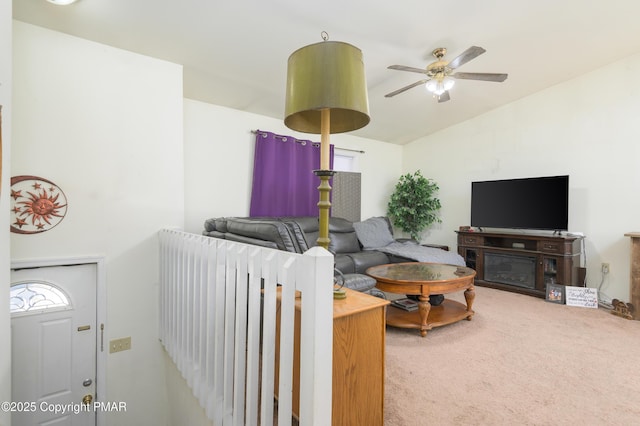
439	73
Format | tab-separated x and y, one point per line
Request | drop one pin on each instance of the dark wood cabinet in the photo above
523	263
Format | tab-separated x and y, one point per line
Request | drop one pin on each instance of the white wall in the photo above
5	101
105	125
219	149
587	127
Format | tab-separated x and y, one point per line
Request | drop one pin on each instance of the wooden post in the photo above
634	284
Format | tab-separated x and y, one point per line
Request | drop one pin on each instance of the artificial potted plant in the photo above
413	205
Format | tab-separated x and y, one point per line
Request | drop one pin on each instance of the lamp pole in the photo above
325	173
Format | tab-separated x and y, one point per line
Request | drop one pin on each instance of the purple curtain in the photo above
283	179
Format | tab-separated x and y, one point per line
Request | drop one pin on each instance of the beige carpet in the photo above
519	361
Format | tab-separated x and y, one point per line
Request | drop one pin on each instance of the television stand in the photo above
522	263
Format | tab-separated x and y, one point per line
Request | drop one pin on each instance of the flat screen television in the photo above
539	203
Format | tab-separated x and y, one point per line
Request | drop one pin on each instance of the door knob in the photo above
86	400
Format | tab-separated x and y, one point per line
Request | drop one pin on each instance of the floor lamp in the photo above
326	93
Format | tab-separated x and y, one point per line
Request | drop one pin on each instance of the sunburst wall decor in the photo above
37	204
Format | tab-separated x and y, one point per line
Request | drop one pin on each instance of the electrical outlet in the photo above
117	345
605	268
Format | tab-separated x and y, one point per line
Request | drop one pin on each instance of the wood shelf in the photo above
448	312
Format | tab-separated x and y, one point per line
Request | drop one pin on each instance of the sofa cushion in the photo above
215	234
340	225
373	233
221	224
344	263
342	236
271	231
230	236
304	230
343	242
359	282
210	225
363	260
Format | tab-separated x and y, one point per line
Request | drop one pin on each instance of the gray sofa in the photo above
297	235
355	246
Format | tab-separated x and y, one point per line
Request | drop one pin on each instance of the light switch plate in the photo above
117	345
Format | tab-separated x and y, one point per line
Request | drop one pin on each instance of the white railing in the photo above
219	301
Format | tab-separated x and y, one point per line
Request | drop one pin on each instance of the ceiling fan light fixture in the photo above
448	83
62	2
439	85
432	86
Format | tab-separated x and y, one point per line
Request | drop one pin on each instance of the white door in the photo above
53	344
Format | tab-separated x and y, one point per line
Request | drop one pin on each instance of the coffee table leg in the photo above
423	308
469	296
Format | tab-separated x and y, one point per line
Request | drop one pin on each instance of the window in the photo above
343	163
34	296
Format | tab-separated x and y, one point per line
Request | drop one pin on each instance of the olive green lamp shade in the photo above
326	75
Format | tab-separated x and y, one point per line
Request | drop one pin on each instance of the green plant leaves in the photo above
413	205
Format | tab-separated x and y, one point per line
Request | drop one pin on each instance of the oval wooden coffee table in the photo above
424	279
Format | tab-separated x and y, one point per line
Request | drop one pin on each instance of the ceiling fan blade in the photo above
444	97
405	68
466	56
485	76
405	88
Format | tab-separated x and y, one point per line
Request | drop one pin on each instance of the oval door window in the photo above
30	296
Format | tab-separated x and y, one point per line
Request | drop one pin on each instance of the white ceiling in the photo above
235	53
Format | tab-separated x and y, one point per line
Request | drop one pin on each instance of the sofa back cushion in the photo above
294	234
304	230
273	231
343	238
221	224
210	225
230	236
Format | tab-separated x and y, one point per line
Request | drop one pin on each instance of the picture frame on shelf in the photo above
555	293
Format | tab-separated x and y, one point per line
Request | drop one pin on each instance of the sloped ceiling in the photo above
235	53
